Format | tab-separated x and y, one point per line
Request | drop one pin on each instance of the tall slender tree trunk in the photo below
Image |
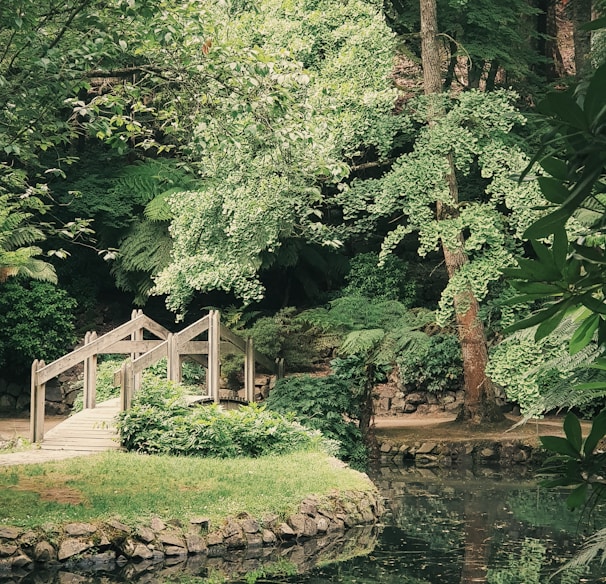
479	403
581	14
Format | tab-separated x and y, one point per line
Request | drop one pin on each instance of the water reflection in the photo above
447	527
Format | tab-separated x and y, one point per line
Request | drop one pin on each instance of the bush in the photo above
326	404
161	422
285	336
390	281
105	383
36	322
437	365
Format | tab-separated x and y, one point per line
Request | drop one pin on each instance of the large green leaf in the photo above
553	190
584	333
564	107
598	431
595	99
557	168
559	445
548	224
577	497
572	429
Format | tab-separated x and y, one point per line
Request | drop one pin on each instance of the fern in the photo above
362	341
595	544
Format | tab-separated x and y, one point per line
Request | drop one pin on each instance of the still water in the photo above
446	527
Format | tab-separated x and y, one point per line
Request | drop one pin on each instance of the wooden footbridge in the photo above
204	341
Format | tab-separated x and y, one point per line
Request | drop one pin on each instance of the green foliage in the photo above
326	404
386	281
286	336
577	461
522	569
436	367
105	383
36	322
160	421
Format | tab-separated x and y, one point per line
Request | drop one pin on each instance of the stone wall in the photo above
111	544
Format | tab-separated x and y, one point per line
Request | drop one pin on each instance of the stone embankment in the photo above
465	454
112	544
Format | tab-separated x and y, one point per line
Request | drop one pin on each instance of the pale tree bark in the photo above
581	14
479	405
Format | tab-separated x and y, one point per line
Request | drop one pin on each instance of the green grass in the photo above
135	487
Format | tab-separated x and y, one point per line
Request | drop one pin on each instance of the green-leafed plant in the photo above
388	281
436	366
161	422
105	383
36	322
326	404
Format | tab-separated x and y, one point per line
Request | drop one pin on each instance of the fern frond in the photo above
158	209
595	544
363	341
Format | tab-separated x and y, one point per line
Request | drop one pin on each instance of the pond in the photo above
442	527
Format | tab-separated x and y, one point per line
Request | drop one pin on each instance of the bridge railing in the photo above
144	353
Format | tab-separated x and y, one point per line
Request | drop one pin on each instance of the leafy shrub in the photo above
36	322
285	336
326	404
436	365
161	422
105	383
390	281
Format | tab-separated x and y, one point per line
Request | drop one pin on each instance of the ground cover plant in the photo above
160	421
135	487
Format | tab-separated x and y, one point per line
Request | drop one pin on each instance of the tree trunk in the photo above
581	14
479	403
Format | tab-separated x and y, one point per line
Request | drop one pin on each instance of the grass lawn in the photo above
134	487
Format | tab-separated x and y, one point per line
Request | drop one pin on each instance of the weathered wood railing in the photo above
144	353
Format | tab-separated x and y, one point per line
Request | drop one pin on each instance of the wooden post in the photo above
173	365
37	399
249	371
214	344
126	386
279	368
90	375
136	336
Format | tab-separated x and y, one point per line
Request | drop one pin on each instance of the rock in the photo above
137	551
202	522
44	552
146	534
309	507
195	543
157	524
268	537
117	525
322	524
416	398
75	529
488	453
284	531
303	525
7	402
9	532
385	448
71	547
20	561
410	408
173	550
249	525
215	538
426	448
7	550
171	539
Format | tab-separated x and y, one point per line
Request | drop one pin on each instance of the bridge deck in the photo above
89	430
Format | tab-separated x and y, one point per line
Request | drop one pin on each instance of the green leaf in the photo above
549	325
598	431
577	497
564	107
534	319
595	24
584	333
539	270
557	168
553	190
593	303
548	224
572	429
559	249
595	103
559	445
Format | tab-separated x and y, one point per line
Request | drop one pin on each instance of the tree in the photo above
479	405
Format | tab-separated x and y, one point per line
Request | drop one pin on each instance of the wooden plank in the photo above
233	338
151	357
127	346
194	348
153	327
78	355
265	361
192	331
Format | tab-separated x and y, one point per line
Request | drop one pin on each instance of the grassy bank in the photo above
135	487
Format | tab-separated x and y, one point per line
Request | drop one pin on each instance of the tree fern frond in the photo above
595	544
158	209
146	248
362	341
